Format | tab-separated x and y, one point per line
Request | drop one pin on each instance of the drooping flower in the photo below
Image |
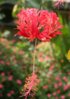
30	85
59	3
41	24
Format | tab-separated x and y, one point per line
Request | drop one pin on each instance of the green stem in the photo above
34	56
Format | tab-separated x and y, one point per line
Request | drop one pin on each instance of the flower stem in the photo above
34	56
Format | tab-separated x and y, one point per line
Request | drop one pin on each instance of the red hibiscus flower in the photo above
41	24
